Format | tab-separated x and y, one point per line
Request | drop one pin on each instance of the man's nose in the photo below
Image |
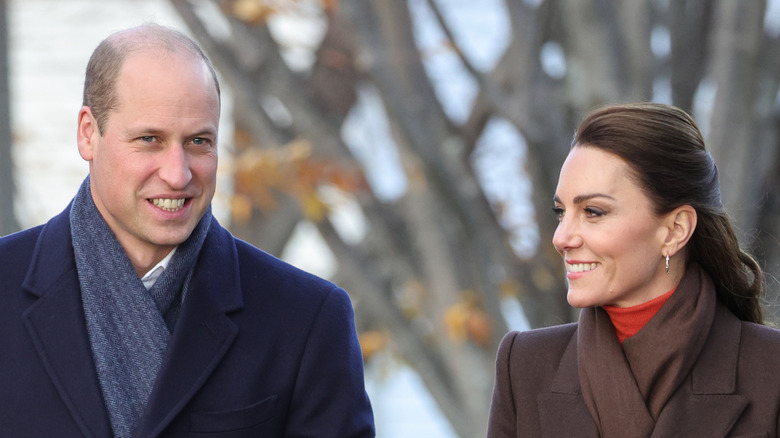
175	168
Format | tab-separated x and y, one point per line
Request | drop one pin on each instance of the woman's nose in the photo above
566	235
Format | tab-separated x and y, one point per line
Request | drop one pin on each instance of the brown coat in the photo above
733	389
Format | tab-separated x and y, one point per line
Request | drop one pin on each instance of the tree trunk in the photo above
737	43
438	255
8	222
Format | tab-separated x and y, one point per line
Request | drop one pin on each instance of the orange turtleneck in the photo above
629	320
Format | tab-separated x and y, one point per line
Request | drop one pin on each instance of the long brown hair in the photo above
666	152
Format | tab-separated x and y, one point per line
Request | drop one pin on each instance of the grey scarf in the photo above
128	326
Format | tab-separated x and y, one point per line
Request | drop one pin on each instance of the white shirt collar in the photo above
154	274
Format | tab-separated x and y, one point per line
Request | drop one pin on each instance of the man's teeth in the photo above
168	204
581	267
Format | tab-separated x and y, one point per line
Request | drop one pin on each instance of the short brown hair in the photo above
105	64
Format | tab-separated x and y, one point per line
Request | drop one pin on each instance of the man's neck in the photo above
143	263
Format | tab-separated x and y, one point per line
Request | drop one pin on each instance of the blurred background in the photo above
409	150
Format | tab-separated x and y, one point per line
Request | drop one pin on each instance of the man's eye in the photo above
147	138
202	141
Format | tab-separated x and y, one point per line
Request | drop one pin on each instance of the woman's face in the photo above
608	234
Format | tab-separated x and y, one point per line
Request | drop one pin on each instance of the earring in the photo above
667	263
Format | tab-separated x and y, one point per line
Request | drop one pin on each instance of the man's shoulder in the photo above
56	231
285	295
20	244
23	237
271	268
16	254
272	283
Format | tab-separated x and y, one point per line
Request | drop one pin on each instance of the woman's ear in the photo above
680	222
87	133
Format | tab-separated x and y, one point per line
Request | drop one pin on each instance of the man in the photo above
134	313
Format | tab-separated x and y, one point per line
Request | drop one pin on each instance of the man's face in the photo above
153	171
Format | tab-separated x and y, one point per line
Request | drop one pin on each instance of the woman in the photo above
669	341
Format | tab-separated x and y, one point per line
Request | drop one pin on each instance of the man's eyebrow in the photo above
137	131
206	132
582	198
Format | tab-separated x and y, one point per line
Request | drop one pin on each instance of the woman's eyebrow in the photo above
582	198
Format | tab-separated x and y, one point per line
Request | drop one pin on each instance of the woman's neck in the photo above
629	320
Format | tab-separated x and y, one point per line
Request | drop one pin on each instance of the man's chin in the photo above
172	238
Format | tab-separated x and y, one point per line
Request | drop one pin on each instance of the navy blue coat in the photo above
261	349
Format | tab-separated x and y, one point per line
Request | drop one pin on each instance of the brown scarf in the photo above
626	388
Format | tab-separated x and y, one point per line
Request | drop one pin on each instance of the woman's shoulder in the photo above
761	339
756	372
540	343
529	338
528	361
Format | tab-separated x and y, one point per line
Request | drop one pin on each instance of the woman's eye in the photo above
594	212
558	213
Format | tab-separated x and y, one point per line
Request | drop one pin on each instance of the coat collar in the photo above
706	404
57	326
203	334
563	412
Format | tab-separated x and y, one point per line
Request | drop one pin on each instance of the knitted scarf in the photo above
128	325
625	389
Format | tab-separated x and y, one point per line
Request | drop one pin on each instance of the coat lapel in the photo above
704	405
203	334
562	411
707	404
57	327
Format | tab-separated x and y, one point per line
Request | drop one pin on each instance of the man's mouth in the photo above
168	204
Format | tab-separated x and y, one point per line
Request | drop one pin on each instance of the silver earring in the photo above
667	263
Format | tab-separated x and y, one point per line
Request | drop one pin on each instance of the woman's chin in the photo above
580	300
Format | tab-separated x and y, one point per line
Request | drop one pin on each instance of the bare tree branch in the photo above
436	264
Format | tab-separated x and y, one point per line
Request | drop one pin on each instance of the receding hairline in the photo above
153	36
109	57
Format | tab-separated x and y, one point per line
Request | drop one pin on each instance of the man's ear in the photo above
87	133
680	222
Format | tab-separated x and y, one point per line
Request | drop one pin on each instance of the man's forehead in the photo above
149	65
